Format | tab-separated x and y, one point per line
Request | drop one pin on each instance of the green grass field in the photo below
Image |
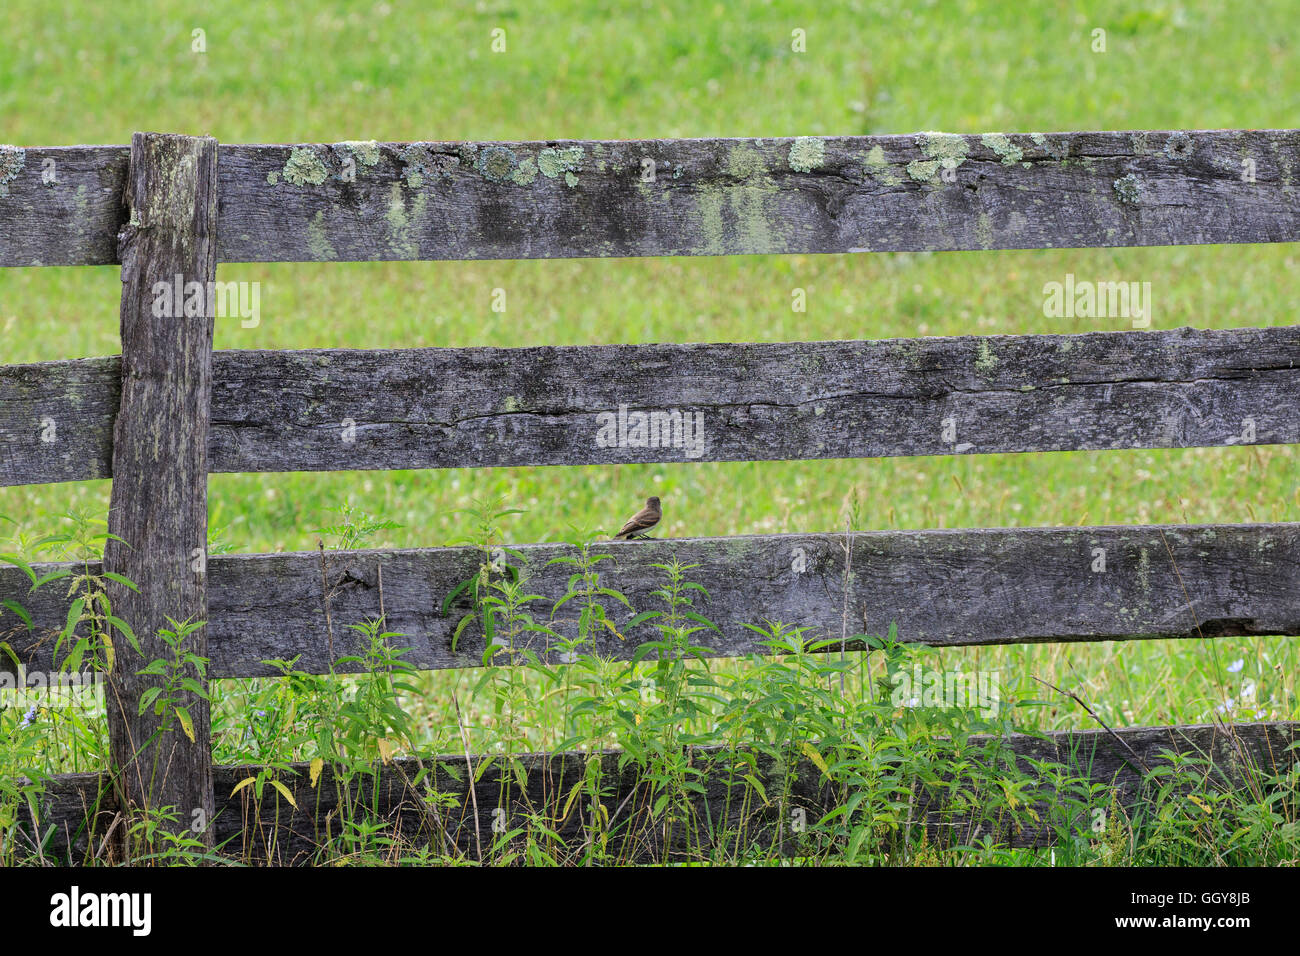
84	73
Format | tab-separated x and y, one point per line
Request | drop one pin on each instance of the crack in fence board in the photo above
562	198
941	587
277	832
337	409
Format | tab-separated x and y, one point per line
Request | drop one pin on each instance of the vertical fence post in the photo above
159	505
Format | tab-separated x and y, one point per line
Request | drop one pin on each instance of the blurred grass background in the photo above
78	72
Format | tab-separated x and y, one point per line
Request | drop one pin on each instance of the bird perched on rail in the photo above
642	521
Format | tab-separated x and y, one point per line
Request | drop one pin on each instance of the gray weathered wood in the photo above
947	587
158	516
61	205
247	830
56	420
329	409
364	201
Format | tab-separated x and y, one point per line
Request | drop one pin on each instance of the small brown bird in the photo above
642	521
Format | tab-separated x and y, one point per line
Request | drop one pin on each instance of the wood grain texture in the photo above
451	200
277	832
62	205
334	410
56	420
158	513
943	588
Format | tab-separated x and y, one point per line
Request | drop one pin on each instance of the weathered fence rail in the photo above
170	411
942	588
365	200
336	409
726	813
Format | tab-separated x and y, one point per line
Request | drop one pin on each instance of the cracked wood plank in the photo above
942	588
279	833
562	199
335	410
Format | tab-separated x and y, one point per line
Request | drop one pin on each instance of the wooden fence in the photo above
170	411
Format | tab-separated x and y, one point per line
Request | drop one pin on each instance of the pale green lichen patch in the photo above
738	218
554	163
1144	570
273	177
304	167
807	153
908	350
401	234
945	151
1142	144
986	362
712	202
879	169
318	243
923	170
650	192
419	162
984	230
525	172
948	148
1178	146
365	152
1126	189
1057	148
83	211
12	161
497	163
1007	151
743	162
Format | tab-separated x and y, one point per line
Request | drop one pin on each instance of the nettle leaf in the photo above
187	722
74	615
120	579
642	618
18	609
20	564
148	698
194	687
52	576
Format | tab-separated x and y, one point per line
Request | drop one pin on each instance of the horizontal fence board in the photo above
279	833
943	588
337	410
56	420
62	205
563	198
